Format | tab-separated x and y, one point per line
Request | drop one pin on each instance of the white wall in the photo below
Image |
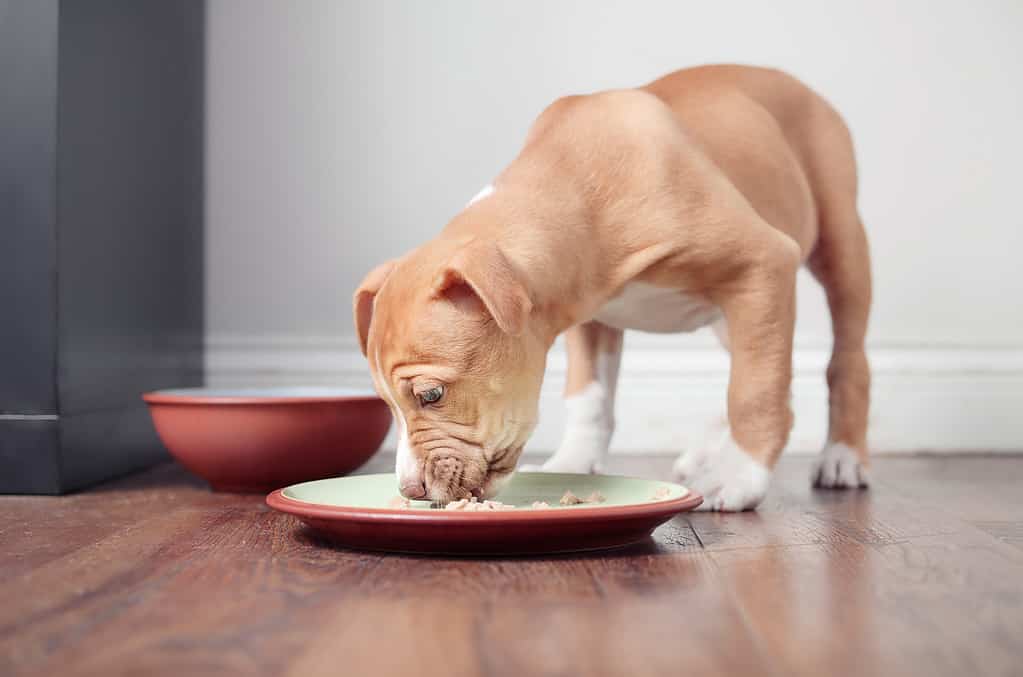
343	133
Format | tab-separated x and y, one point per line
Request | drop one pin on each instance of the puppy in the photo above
689	202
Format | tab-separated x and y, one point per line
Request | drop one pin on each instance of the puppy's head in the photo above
447	334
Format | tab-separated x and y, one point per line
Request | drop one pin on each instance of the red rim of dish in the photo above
165	397
278	501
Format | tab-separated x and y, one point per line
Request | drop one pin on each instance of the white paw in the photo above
583	450
587	433
591	469
725	475
839	467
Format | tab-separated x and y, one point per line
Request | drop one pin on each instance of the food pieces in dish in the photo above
571	499
474	505
661	494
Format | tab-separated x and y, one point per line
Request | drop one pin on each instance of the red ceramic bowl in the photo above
258	440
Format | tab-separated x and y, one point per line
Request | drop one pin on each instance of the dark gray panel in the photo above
99	445
28	457
101	242
130	240
28	124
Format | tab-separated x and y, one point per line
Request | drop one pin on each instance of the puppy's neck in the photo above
549	236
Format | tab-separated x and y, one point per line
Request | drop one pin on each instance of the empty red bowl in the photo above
258	440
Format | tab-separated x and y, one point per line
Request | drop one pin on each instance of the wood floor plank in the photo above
207	593
559	615
60	602
887	592
793	513
892	511
37	529
695	630
431	633
1008	532
909	501
974	488
156	575
901	609
810	605
656	614
546	616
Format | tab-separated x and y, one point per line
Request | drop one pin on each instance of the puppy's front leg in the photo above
594	354
759	310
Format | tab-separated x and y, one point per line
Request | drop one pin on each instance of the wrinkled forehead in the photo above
410	327
391	331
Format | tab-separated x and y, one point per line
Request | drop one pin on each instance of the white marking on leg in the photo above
727	477
607	374
720	328
486	192
589	422
838	467
587	435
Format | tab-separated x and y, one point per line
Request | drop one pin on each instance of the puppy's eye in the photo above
431	396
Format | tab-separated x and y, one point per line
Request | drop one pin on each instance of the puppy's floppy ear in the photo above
362	300
480	270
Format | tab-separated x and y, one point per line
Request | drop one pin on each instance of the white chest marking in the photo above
487	190
645	307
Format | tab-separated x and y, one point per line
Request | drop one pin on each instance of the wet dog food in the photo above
474	505
571	499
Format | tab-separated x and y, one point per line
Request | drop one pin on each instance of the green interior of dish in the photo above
379	491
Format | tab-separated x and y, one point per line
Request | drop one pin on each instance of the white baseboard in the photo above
926	396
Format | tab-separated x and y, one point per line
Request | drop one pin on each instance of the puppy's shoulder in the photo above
622	112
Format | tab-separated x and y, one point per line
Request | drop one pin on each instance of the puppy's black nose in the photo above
413	489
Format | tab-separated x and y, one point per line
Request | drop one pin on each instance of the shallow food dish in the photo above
359	512
249	440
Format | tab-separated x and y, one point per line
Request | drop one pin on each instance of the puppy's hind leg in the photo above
841	263
594	355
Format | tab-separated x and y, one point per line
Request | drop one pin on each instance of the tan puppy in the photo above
689	202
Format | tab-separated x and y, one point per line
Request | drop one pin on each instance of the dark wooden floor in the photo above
921	575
